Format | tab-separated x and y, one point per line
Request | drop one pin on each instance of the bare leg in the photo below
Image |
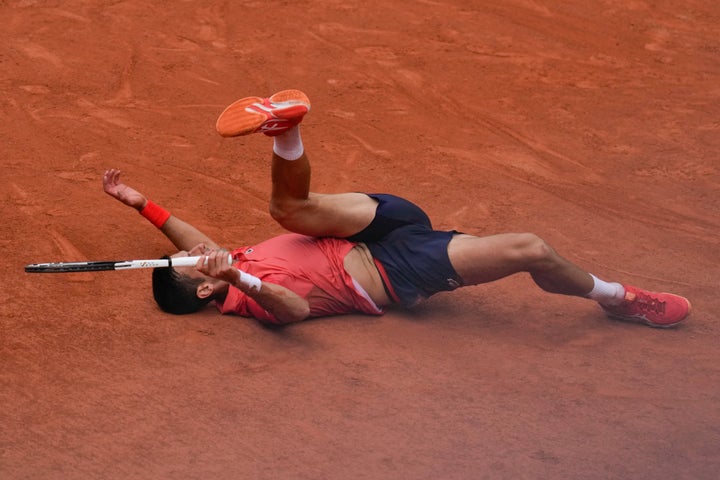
297	209
292	204
485	259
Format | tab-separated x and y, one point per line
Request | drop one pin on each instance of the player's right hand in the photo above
216	264
116	189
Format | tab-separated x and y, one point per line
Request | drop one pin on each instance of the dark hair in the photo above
176	293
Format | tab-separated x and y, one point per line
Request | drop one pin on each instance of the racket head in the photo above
69	267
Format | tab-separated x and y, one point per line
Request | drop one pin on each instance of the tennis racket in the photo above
97	266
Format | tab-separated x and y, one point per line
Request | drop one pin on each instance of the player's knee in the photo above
286	213
280	211
535	252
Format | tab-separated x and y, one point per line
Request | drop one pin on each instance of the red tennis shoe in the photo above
661	310
271	116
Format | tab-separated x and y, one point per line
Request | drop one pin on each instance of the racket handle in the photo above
192	261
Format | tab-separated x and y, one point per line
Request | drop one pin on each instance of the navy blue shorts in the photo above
412	257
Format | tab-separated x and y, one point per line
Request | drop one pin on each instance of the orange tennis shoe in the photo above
662	310
271	116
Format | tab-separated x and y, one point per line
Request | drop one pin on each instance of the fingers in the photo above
218	258
201	265
199	249
111	178
215	263
108	182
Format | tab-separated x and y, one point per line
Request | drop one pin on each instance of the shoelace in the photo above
647	303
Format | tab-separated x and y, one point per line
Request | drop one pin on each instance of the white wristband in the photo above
250	281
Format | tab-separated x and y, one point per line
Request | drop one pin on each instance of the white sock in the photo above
288	145
606	293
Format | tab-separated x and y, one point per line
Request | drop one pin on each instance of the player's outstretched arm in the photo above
183	235
284	304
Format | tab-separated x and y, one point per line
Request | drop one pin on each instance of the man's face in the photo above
191	272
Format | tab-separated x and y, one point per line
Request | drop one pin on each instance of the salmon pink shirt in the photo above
303	265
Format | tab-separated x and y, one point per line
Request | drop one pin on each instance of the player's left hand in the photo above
116	189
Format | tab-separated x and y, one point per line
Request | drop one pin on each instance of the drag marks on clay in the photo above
108	115
251	366
88	110
710	126
683	170
479	210
344	114
536	7
658	41
124	91
39	114
65	14
70	253
375	151
78	176
396	73
24	202
335	29
384	56
253	200
563	186
47	241
204	80
410	79
175	141
194	337
523	152
177	44
213	106
35	89
38	52
521	156
507	162
211	25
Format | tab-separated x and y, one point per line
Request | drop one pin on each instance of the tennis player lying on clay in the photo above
353	252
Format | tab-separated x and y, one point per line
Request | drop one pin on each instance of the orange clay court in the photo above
592	124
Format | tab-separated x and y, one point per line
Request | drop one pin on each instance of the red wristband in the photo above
155	213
